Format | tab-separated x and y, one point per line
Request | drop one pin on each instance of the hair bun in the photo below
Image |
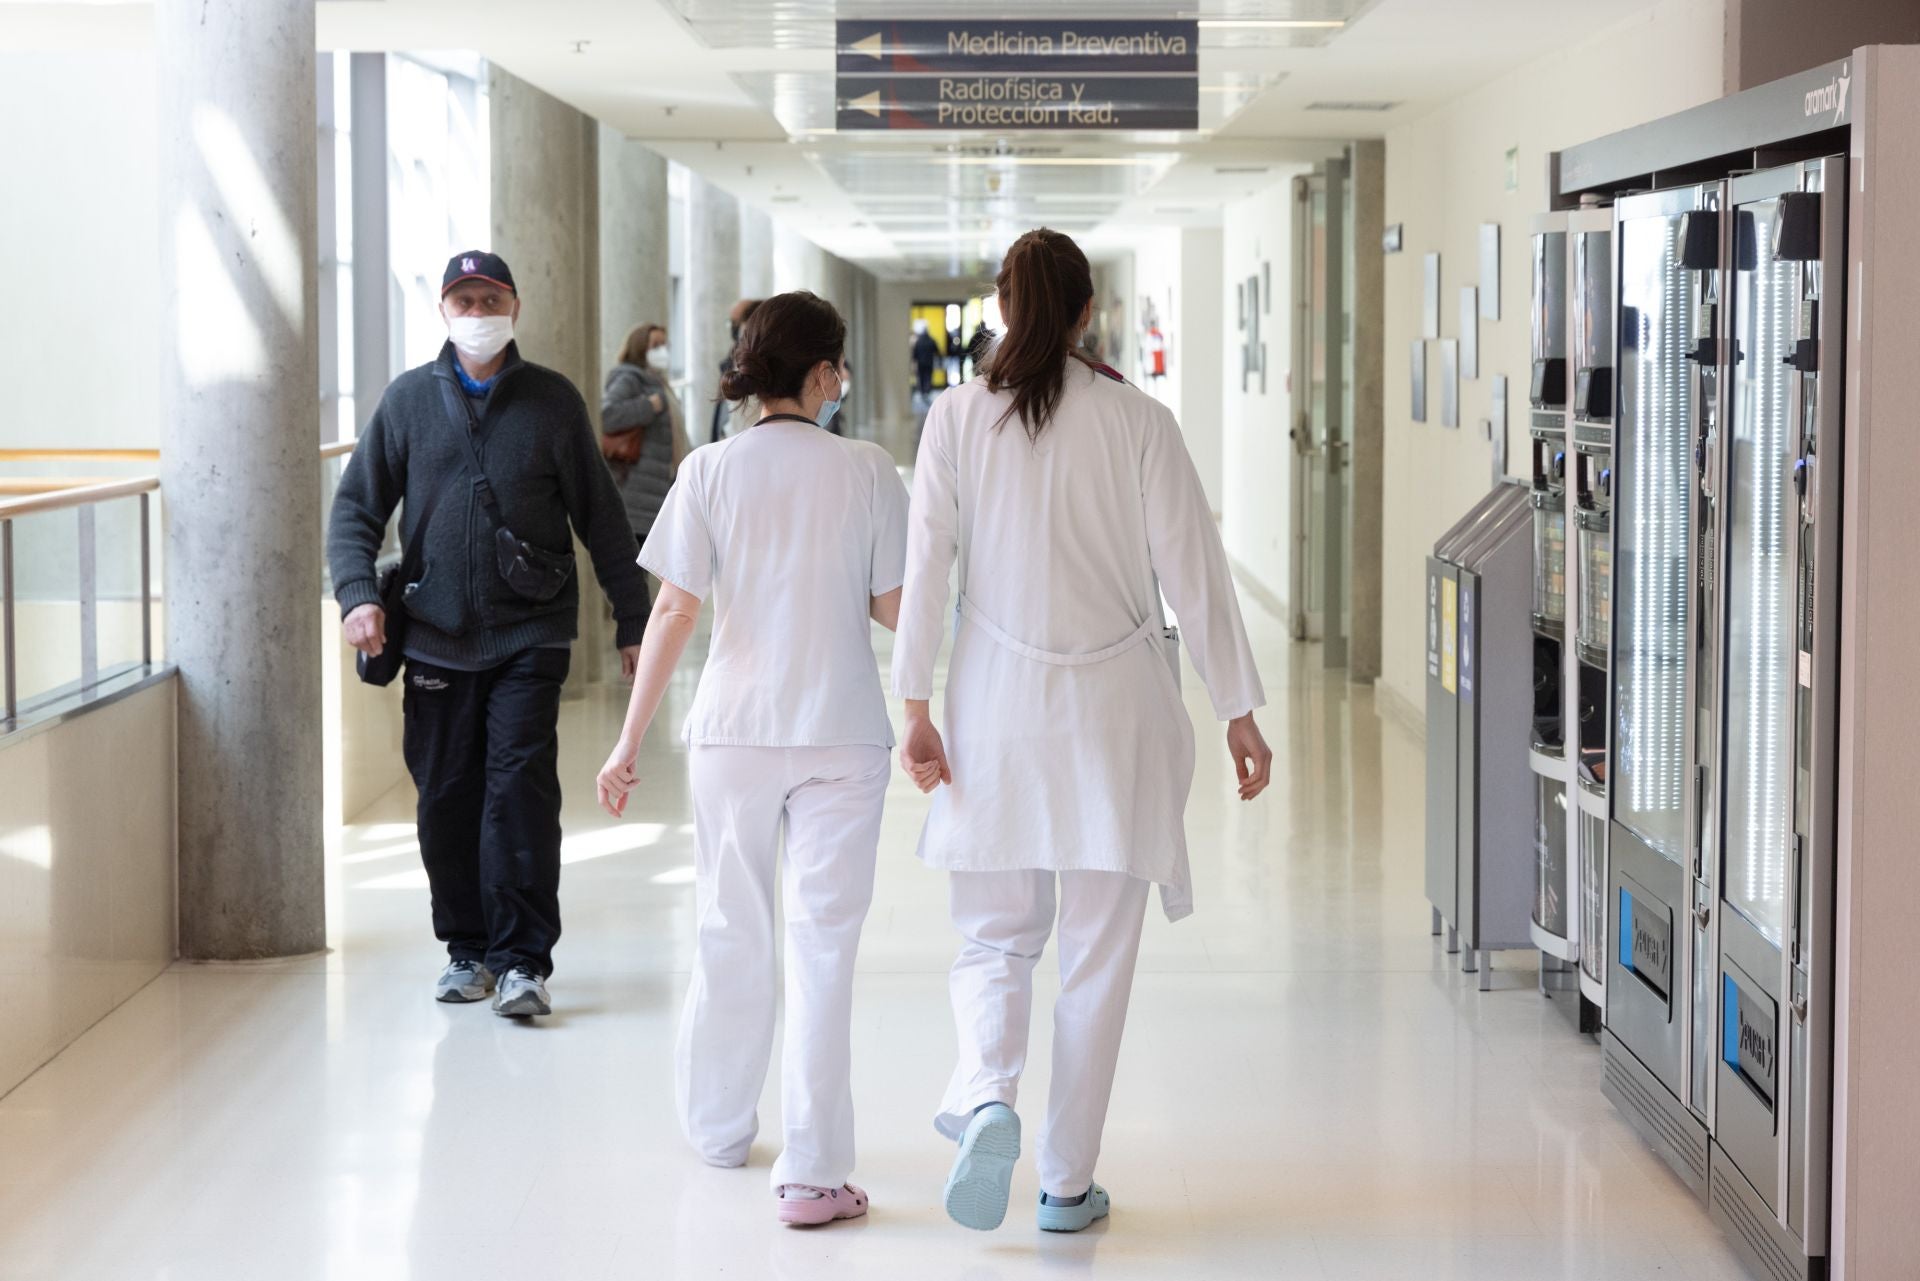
738	384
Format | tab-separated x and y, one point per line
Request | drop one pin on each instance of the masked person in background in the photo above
726	412
497	465
642	433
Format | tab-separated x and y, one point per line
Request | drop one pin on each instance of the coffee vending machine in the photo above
1591	339
1720	485
1554	927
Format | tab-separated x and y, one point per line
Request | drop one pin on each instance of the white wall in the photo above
79	250
1256	506
1180	270
87	887
1446	174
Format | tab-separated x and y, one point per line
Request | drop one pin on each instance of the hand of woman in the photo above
617	779
1252	758
922	755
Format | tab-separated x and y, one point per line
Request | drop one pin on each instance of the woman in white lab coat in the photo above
800	536
1072	505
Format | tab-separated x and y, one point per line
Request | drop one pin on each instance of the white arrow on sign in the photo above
869	103
874	46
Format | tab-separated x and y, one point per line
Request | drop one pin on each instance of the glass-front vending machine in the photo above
1666	249
1771	1039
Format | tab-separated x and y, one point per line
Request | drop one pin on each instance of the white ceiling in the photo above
741	92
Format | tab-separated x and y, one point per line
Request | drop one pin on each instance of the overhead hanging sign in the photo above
1017	102
1058	74
924	47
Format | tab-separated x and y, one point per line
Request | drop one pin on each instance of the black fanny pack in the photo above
533	573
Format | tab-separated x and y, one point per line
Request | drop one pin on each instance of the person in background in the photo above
837	425
737	316
956	356
1071	504
926	354
485	656
800	539
643	436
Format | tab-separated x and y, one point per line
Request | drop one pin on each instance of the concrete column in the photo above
756	253
635	283
372	250
546	214
546	224
713	285
240	468
1369	187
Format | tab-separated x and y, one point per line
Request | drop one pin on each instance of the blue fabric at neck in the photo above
473	388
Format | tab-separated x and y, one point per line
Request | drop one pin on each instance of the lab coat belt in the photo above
971	612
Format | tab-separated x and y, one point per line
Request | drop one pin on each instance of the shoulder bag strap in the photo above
460	412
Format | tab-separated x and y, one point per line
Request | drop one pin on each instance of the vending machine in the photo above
1590	555
1553	927
1715	491
1772	911
1658	984
1590	518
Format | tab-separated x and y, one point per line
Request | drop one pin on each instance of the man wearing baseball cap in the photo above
491	616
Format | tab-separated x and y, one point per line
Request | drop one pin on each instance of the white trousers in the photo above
828	799
1004	919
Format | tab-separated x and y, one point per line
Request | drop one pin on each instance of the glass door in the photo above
1756	738
1653	528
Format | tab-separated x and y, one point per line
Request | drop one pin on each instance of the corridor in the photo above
1310	1089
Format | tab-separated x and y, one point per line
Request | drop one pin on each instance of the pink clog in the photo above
847	1202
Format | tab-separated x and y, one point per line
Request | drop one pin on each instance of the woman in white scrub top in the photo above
1071	504
800	537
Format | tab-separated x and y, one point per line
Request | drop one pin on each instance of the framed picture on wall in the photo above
1419	383
1449	382
1266	287
1490	270
1263	369
1430	296
1240	306
1469	332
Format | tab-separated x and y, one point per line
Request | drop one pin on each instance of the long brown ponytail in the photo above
1045	285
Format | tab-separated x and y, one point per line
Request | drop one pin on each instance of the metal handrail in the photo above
34	504
82	500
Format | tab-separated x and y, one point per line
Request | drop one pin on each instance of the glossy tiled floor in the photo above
1309	1089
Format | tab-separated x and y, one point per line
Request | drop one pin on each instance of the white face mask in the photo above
657	358
480	338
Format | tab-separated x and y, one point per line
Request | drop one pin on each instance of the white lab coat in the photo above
1070	746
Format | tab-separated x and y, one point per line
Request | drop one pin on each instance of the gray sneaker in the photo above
463	982
521	994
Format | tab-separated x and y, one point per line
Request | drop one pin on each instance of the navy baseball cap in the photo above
476	264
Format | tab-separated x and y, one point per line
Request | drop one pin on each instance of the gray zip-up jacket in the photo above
627	405
543	461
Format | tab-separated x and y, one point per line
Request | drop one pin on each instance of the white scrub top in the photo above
794	531
1070	746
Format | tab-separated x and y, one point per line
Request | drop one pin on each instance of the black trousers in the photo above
483	749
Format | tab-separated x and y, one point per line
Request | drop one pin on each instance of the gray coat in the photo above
626	405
